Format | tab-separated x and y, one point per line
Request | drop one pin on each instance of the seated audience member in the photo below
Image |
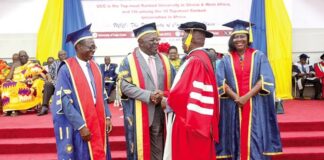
15	58
23	87
305	74
4	70
218	57
174	57
108	71
50	83
50	60
319	72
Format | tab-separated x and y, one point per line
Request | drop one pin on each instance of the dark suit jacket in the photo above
110	72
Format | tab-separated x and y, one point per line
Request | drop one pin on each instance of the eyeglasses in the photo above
91	48
154	40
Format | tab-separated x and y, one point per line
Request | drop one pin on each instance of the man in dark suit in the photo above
109	75
49	85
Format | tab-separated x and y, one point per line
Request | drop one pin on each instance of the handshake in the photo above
156	97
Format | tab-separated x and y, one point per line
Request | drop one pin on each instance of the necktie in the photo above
153	70
93	86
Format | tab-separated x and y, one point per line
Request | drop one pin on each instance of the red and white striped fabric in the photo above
194	100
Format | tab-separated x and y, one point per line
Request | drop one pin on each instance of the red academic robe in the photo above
194	100
319	72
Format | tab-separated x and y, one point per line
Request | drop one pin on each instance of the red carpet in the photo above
302	130
29	137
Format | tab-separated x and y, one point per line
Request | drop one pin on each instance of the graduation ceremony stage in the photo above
30	137
302	130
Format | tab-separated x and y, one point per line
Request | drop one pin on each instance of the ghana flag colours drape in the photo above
272	34
60	18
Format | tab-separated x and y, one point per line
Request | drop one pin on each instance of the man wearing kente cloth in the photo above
145	77
194	100
81	115
23	87
248	128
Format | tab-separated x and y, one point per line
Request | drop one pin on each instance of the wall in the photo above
20	20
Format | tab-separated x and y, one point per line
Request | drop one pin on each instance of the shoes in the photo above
14	114
316	98
43	111
301	96
6	113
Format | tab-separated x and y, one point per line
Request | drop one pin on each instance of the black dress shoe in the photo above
8	113
43	111
316	98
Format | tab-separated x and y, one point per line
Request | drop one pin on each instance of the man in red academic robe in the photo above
194	100
319	72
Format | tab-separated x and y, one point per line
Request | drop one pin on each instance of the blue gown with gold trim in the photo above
67	120
265	137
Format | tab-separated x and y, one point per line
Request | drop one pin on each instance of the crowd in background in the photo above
306	74
26	85
212	88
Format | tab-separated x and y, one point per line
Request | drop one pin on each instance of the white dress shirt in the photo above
107	67
84	68
146	57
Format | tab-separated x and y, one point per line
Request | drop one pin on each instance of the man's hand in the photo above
85	133
163	103
159	96
156	97
153	98
108	125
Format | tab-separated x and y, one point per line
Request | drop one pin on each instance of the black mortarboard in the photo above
195	26
147	28
322	57
239	26
304	56
77	36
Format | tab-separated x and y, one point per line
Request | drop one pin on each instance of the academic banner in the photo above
113	20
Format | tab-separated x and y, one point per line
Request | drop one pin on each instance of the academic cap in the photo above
147	28
196	26
304	56
239	26
81	34
322	57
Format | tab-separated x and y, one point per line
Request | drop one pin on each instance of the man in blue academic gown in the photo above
80	113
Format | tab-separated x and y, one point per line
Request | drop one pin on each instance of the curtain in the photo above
257	17
49	38
73	20
61	17
279	46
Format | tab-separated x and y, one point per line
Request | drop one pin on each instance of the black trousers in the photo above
157	134
317	86
47	93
